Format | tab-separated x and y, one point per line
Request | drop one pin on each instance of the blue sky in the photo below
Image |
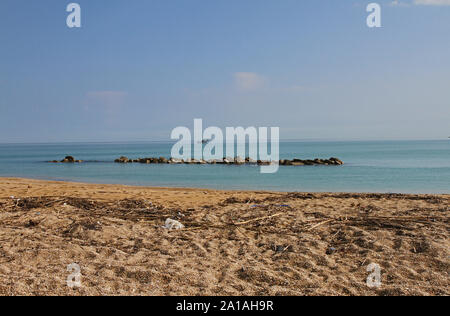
137	69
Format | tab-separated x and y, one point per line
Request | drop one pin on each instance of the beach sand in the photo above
233	243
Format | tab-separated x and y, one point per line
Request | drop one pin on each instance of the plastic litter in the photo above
331	250
173	224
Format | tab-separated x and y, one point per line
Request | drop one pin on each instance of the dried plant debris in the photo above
243	243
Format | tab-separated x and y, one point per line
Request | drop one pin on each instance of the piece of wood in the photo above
259	219
320	224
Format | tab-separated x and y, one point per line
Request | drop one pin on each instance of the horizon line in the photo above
172	141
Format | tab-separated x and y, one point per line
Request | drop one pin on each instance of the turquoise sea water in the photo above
375	166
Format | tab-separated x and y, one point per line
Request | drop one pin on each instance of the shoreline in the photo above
233	242
181	188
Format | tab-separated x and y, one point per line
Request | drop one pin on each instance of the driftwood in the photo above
320	224
258	219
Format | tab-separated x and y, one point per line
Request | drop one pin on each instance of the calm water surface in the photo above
376	166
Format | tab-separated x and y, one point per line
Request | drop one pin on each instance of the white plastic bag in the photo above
173	224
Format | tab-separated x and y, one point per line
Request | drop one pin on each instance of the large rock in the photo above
175	161
162	160
239	161
144	160
122	159
336	161
68	159
319	161
228	161
308	162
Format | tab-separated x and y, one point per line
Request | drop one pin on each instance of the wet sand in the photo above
233	243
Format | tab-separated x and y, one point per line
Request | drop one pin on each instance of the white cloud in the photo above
432	2
248	81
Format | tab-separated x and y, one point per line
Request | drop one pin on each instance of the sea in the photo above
370	166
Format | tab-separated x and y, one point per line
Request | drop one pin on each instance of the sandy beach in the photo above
233	243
